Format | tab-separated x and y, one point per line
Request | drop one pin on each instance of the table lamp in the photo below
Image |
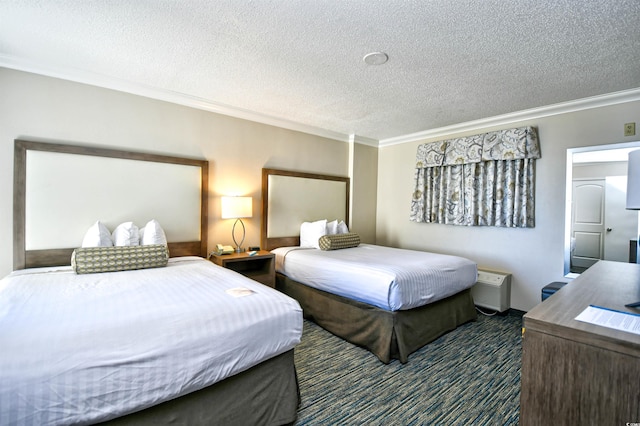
237	208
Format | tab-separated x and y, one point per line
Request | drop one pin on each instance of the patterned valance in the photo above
511	144
486	180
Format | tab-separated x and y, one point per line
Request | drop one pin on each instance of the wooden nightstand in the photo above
260	267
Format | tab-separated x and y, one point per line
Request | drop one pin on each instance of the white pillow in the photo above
126	234
332	227
310	233
152	233
342	228
97	236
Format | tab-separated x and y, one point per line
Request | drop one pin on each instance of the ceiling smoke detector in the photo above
376	58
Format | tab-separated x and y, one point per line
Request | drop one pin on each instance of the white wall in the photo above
48	109
533	256
364	170
44	108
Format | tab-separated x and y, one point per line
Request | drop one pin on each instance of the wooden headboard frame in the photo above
23	258
270	242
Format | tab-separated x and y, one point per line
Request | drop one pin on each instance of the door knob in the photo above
609	229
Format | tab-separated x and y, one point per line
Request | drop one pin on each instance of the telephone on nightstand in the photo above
220	249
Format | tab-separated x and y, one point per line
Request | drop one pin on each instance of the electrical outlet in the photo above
629	129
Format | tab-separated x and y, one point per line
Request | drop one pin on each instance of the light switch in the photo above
629	129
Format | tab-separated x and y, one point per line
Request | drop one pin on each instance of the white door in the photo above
587	230
621	225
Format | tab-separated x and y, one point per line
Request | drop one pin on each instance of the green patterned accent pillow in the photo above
88	260
339	241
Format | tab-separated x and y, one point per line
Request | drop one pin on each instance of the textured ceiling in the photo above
450	61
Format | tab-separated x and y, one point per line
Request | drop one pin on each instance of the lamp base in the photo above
233	235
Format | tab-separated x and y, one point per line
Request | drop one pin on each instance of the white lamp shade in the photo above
633	181
237	207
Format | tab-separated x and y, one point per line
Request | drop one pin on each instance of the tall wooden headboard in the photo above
61	190
290	198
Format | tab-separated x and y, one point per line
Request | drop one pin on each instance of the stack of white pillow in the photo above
310	232
125	234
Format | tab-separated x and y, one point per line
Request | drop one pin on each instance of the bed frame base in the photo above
388	335
266	394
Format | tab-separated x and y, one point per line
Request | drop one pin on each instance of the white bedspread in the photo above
389	278
88	348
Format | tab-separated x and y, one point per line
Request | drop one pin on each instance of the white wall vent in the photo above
493	290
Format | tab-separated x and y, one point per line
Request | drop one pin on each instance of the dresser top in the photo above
606	284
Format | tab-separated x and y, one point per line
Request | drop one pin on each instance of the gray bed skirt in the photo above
266	394
387	334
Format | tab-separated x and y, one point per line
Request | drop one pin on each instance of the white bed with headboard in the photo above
388	300
175	340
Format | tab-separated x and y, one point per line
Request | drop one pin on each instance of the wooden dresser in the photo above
576	373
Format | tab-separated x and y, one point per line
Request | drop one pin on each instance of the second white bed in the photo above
389	278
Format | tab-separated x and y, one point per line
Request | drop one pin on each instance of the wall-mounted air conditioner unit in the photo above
492	291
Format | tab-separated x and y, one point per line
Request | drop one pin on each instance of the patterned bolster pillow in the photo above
88	260
339	241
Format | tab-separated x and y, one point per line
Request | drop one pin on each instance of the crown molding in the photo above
353	138
609	99
94	79
121	85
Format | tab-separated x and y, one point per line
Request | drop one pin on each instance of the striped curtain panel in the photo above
481	180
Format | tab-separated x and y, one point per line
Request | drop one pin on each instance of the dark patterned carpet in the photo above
470	376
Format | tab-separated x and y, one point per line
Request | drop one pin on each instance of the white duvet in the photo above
88	348
389	278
